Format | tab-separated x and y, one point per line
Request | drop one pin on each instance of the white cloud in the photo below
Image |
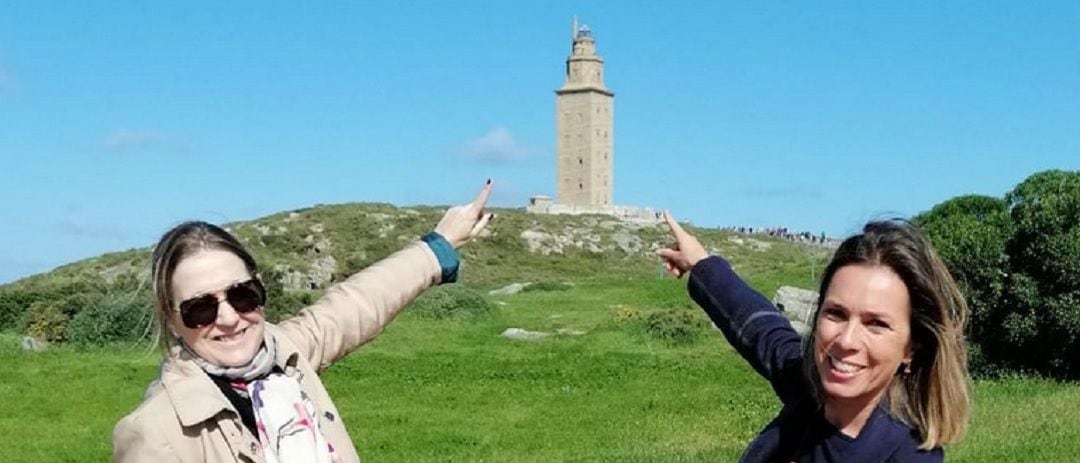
496	147
127	140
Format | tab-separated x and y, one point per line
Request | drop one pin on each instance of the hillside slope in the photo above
303	251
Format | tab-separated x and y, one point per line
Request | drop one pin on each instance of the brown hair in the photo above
174	246
934	397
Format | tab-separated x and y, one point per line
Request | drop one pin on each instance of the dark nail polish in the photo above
488	182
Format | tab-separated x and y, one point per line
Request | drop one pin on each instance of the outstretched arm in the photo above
355	311
756	329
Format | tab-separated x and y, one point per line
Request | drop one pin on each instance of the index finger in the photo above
481	199
676	229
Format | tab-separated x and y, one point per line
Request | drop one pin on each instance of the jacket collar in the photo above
194	395
190	390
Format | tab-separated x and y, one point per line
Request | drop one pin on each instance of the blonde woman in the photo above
882	376
234	388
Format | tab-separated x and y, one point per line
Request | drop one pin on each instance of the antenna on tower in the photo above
574	30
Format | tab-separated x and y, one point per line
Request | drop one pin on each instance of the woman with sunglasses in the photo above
882	375
233	387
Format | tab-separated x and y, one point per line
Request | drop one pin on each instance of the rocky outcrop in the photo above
798	306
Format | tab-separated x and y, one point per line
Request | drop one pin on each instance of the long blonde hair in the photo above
934	397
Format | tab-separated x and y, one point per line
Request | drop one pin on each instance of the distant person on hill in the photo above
234	388
882	376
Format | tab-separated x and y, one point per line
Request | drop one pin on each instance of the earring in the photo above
907	368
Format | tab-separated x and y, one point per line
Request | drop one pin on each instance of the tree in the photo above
1044	285
970	234
1018	262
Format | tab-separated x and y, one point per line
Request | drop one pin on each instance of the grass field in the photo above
454	390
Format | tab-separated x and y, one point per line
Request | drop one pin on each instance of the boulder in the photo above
796	303
537	241
33	344
629	243
512	288
322	270
800	327
523	334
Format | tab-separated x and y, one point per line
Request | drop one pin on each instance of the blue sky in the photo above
120	119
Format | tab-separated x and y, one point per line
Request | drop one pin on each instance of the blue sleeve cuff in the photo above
446	255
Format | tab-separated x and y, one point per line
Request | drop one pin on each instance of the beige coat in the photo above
186	418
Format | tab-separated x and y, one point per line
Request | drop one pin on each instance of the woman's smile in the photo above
231	338
842	368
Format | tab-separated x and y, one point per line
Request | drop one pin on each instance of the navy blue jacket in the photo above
764	337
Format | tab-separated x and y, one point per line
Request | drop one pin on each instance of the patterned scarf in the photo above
284	414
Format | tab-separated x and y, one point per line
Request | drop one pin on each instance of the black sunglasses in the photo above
245	296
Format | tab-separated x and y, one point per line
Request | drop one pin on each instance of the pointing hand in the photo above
462	223
680	257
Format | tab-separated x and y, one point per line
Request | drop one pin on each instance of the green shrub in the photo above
1044	286
281	303
675	326
547	286
283	242
627	315
970	233
451	302
112	318
47	321
13	307
1017	261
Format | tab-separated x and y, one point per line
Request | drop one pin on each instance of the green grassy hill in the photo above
301	252
517	246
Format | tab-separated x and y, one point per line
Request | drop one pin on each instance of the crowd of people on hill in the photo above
786	234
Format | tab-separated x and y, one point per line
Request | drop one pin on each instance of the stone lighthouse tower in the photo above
584	127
